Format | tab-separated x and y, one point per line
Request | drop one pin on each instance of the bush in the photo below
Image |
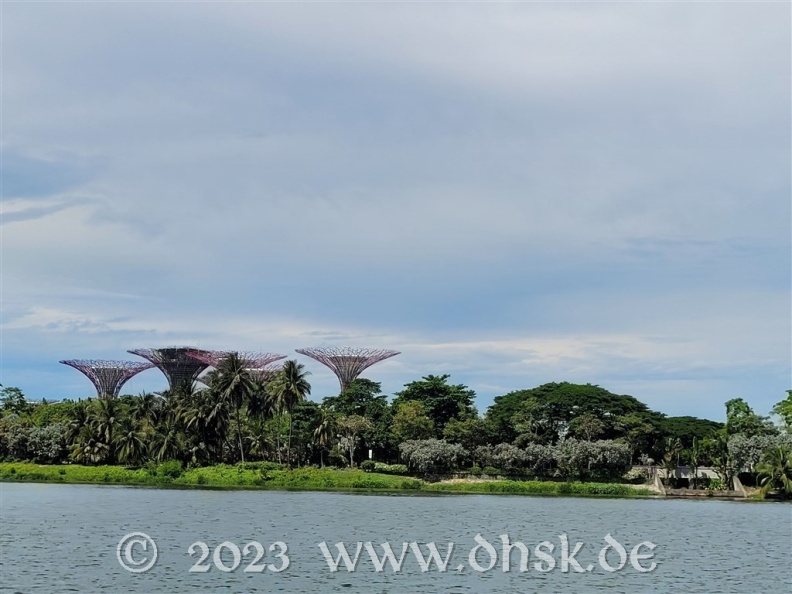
368	465
432	455
170	469
636	476
390	468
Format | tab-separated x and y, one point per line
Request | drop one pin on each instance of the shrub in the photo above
636	476
390	468
368	465
432	455
170	469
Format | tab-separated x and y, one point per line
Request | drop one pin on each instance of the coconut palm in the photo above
206	418
79	420
324	432
88	447
168	442
234	384
106	418
130	442
288	388
146	410
775	472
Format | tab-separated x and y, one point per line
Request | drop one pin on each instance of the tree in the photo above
325	432
718	450
586	426
350	429
685	429
784	410
672	450
234	384
130	443
106	418
469	432
145	410
432	455
548	410
775	472
740	418
441	400
289	387
14	402
358	397
411	422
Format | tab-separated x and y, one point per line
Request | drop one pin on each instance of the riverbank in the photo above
304	479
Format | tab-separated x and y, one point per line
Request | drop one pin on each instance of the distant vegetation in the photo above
557	431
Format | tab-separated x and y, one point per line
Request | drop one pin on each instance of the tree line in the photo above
431	425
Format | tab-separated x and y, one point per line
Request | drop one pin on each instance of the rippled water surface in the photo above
63	538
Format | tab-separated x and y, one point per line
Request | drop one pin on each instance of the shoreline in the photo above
224	477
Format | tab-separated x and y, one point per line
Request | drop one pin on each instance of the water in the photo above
63	538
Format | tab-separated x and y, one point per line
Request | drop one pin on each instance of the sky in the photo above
511	194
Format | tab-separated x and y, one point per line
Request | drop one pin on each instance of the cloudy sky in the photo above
509	193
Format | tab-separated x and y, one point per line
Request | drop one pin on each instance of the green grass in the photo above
303	479
541	488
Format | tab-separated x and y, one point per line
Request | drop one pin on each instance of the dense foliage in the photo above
554	431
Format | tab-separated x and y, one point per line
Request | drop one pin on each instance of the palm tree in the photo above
775	472
80	419
168	442
324	432
206	418
130	443
88	447
234	384
288	388
259	438
146	410
106	417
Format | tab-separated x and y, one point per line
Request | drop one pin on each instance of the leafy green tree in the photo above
469	432
586	426
411	422
784	410
718	451
350	429
641	432
740	418
359	396
552	407
14	402
441	400
685	429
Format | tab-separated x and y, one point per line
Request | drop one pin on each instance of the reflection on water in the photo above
63	538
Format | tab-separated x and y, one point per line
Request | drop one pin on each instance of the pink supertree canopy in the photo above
347	362
177	363
108	376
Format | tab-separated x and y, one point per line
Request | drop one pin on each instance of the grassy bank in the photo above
306	479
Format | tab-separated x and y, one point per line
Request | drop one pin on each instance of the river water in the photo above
65	538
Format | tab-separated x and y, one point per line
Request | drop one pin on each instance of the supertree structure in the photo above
177	363
250	360
107	376
265	374
347	362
